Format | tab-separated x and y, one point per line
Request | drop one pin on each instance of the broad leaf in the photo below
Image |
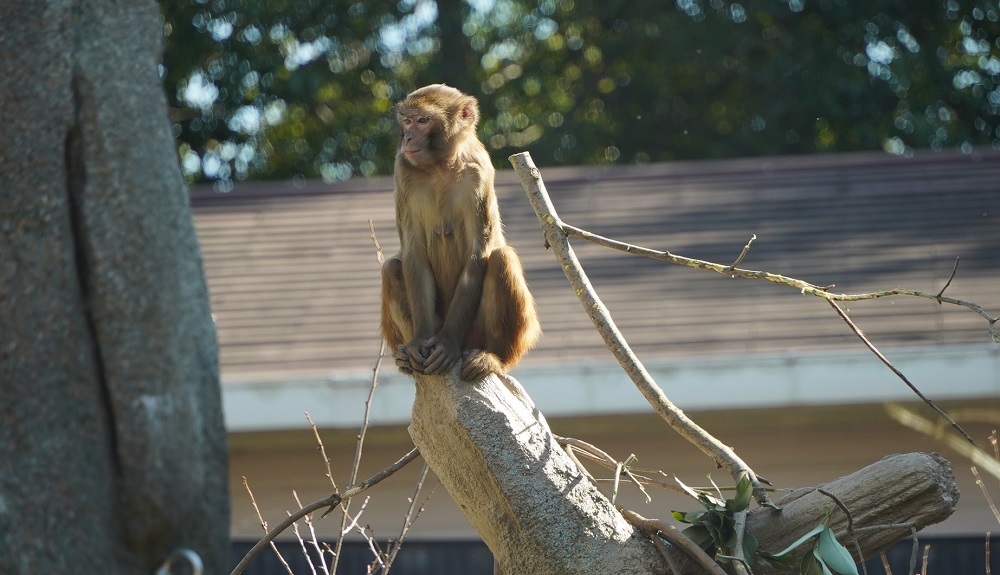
834	554
701	537
812	565
744	491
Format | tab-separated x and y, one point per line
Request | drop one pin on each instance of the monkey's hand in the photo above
410	358
444	351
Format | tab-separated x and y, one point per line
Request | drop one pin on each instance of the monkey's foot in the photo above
478	364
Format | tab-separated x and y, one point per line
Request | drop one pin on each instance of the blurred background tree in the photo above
303	88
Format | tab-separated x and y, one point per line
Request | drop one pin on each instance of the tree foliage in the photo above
288	89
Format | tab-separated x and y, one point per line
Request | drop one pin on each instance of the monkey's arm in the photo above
419	280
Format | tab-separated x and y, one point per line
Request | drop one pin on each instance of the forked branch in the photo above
723	455
733	271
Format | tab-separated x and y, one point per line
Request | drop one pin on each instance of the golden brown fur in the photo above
456	290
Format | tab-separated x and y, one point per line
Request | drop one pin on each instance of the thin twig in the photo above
263	525
408	519
360	444
986	493
322	450
330	501
857	331
664	552
298	535
951	277
885	563
923	564
987	553
314	539
743	254
803	286
572	446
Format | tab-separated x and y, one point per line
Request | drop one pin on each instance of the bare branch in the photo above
331	501
857	331
411	515
723	455
322	450
803	286
263	525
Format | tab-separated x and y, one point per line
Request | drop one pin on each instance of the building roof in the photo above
295	283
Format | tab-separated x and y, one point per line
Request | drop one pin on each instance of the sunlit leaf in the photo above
744	492
834	554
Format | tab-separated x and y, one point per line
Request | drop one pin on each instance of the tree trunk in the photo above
112	444
523	494
540	514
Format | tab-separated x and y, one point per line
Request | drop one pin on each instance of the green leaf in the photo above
727	536
801	540
680	516
834	554
694	516
701	537
744	492
812	565
750	546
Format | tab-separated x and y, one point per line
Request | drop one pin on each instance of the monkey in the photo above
455	291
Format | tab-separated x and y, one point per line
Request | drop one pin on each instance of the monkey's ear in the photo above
469	113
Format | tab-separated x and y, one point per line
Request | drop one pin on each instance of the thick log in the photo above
538	513
899	490
522	493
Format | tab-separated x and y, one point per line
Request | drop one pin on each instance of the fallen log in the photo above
540	514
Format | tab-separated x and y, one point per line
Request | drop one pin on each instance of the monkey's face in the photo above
419	130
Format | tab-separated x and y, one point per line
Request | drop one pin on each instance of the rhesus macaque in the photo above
455	292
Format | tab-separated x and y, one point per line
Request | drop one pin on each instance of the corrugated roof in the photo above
295	282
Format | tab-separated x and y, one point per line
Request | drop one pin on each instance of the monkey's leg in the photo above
506	324
397	322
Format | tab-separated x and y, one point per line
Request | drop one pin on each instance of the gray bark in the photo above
540	514
526	498
112	444
917	488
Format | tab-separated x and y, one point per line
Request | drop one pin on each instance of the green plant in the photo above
714	529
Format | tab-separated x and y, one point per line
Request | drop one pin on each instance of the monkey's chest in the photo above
444	231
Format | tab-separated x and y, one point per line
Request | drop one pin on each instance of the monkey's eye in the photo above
424	119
